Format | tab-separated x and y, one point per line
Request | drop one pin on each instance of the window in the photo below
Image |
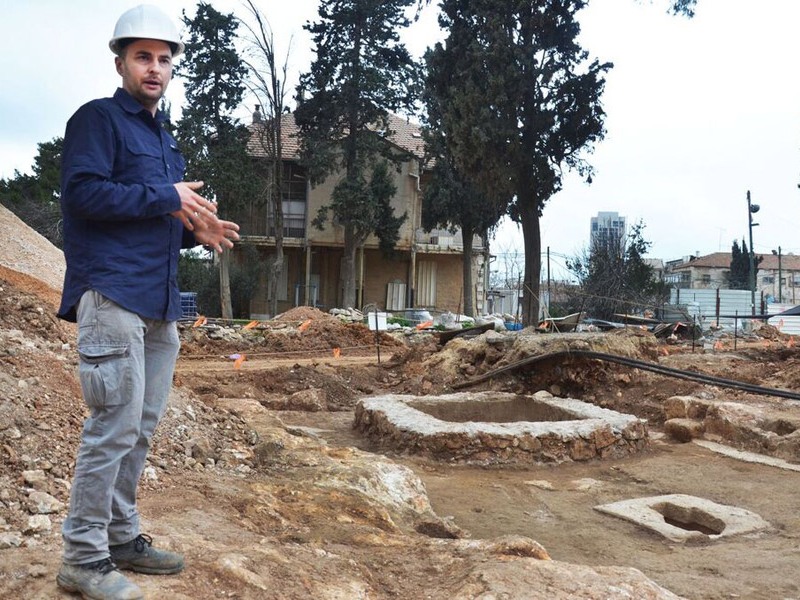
768	279
705	278
426	284
293	201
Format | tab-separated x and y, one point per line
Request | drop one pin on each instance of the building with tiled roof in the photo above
425	269
777	275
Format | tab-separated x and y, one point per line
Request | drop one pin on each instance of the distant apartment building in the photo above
607	228
777	276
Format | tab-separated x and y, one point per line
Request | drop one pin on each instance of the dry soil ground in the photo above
258	476
553	504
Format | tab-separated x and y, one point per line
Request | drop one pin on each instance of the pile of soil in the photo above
302	331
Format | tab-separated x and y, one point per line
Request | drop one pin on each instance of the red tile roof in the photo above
722	260
404	134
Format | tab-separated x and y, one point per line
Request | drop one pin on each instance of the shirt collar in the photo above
132	106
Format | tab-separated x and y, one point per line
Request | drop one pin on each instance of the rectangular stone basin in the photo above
490	427
518	408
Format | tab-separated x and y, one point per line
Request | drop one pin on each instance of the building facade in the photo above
777	276
423	271
607	228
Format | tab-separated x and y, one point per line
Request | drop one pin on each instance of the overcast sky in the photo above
699	111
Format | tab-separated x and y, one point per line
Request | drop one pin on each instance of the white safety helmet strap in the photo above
145	22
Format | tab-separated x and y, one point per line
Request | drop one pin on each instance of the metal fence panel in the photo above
731	302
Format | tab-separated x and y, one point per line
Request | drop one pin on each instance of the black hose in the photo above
636	364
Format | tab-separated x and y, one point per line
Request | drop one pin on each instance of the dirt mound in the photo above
430	370
317	335
25	251
337	388
301	314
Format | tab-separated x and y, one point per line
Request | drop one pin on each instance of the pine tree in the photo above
525	106
360	74
739	278
212	140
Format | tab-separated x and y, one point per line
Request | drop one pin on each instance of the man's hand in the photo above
218	234
200	216
196	212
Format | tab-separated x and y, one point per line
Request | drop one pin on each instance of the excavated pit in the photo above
492	428
682	518
518	408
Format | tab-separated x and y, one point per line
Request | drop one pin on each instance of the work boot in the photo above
97	580
139	555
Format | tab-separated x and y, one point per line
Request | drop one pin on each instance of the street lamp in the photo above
751	210
780	276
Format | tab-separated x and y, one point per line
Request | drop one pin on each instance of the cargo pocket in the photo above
105	374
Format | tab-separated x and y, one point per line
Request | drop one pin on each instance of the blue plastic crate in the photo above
188	305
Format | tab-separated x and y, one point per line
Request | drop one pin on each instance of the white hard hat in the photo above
145	22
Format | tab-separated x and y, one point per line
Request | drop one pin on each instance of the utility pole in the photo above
751	210
549	295
780	276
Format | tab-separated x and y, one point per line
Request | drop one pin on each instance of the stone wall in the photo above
595	433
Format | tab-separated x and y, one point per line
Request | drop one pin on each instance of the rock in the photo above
12	433
698	408
41	503
542	484
10	540
525	577
676	407
684	430
604	437
517	545
200	449
236	566
267	453
440	528
35	479
38	524
311	400
581	449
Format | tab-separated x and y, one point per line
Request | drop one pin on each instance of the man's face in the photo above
146	69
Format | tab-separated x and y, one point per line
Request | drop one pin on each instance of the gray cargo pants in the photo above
126	368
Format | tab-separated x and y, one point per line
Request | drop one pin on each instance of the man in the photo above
127	213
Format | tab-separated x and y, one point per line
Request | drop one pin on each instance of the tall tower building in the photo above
607	228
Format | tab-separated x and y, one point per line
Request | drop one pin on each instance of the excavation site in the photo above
293	463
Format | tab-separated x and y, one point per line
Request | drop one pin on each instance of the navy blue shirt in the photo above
118	168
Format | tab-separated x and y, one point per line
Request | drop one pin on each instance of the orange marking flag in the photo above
201	320
337	352
237	364
305	325
250	325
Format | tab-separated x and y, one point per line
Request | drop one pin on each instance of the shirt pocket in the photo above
177	164
105	374
143	158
